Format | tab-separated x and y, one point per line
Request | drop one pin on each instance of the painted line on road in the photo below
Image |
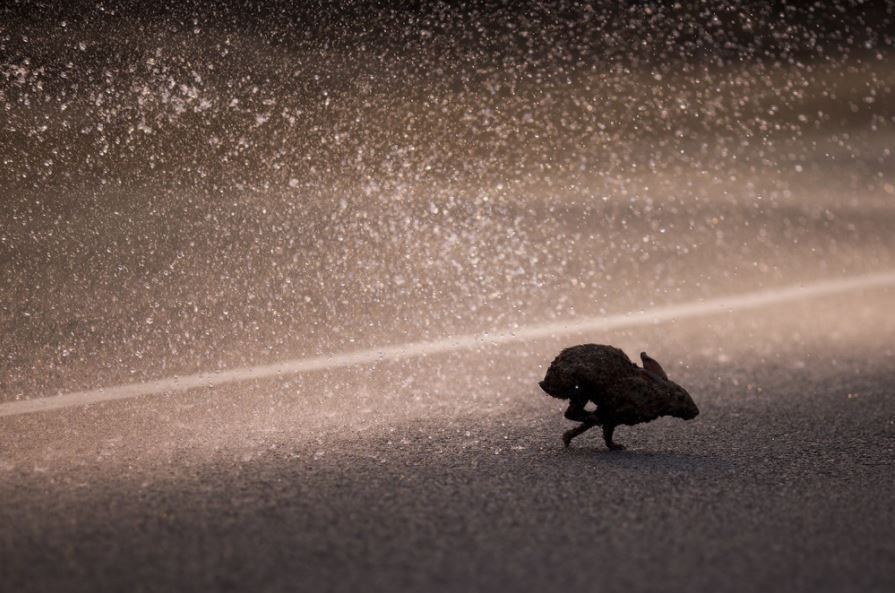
656	315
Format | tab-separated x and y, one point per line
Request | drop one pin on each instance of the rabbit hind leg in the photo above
608	429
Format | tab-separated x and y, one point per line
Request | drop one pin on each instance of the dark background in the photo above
658	32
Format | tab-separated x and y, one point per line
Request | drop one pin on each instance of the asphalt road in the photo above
185	198
446	473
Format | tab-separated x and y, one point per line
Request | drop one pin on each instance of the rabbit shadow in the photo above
642	459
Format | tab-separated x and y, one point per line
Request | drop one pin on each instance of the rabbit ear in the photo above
651	365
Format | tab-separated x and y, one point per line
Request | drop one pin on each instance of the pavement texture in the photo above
185	195
783	483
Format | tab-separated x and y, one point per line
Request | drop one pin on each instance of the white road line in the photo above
656	315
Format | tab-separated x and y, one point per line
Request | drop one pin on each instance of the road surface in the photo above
447	473
272	315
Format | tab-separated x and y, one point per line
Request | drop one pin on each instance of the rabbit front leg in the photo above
576	410
570	434
577	413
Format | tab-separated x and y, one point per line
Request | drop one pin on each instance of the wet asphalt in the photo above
157	225
783	483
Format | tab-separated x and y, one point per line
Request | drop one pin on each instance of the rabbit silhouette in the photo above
623	392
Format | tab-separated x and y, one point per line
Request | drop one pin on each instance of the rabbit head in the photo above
558	384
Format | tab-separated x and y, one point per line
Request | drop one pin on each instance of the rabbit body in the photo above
587	369
623	392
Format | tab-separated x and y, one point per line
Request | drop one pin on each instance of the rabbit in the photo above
623	392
